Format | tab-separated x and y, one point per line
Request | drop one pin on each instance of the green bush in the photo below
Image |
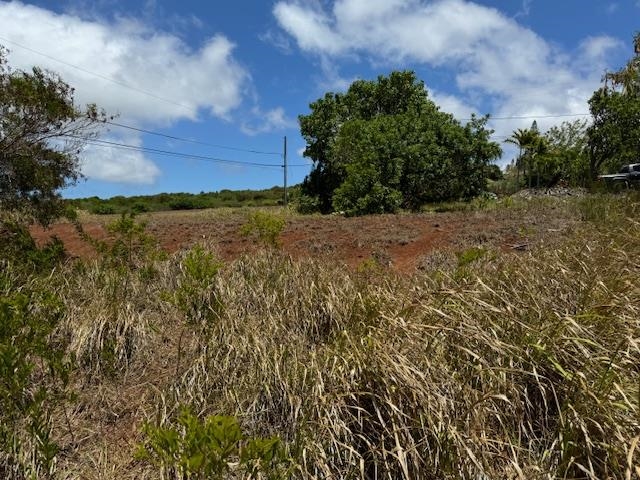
139	208
17	245
184	204
195	293
211	449
131	247
354	198
307	205
33	378
264	227
102	210
470	255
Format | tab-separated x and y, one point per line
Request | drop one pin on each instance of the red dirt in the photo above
400	241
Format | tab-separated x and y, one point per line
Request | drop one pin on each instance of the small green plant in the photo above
470	255
195	292
196	295
34	374
484	201
264	227
131	242
128	261
17	245
211	449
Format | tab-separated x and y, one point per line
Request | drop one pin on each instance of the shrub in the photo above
139	208
470	255
307	204
132	246
264	227
17	245
356	200
33	377
102	210
184	204
195	290
112	326
211	449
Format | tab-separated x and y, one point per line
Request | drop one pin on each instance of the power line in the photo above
189	156
123	84
197	142
529	117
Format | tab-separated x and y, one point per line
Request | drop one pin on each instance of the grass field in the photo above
502	341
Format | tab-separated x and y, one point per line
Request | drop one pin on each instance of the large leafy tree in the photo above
41	134
614	134
384	144
567	157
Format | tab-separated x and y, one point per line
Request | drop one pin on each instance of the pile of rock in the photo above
557	191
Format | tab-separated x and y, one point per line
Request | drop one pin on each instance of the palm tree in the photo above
525	140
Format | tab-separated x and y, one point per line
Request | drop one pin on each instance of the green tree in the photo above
41	134
532	148
614	134
567	156
384	144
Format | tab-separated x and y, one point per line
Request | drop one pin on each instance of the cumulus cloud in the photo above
269	121
514	70
597	48
452	104
145	76
104	162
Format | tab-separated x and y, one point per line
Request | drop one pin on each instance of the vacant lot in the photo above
403	242
498	340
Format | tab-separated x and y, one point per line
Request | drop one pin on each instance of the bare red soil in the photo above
401	241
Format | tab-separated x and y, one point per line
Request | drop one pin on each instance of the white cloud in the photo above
525	9
452	104
331	79
514	70
597	48
278	40
310	27
269	121
119	165
180	82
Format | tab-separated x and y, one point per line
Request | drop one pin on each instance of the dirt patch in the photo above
399	241
73	242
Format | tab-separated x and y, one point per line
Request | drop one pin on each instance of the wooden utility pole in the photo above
284	166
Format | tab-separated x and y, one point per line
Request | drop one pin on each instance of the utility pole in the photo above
285	171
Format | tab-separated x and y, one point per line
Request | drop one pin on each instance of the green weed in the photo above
213	448
264	227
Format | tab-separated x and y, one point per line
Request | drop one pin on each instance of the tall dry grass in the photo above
523	365
517	366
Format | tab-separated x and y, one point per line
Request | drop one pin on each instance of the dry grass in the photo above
512	366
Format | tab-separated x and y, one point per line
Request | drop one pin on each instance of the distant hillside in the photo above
184	201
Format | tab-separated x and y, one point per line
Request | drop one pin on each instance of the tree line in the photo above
380	146
577	152
384	145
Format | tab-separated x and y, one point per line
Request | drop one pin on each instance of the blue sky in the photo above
237	74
